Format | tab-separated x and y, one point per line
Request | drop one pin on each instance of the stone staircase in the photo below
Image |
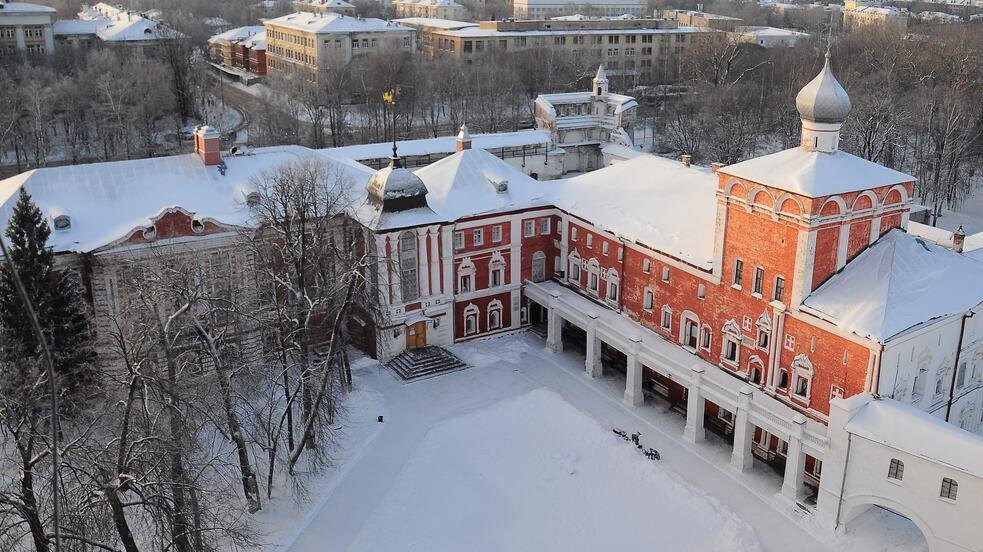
424	362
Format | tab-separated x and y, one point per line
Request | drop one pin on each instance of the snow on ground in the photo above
534	473
516	453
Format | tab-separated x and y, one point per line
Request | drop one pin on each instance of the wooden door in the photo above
416	335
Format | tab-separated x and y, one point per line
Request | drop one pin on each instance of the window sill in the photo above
756	295
948	500
895	482
732	364
736	286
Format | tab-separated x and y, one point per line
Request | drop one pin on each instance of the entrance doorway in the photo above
416	335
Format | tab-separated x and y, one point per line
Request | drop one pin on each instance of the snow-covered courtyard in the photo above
517	453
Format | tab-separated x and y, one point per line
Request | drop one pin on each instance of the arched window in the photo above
593	276
538	266
689	330
408	266
706	336
465	276
470	319
648	299
764	330
756	370
574	273
495	315
666	318
949	488
802	373
613	282
895	469
730	351
496	270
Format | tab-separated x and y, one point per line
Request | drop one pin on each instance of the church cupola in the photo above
823	106
600	82
395	188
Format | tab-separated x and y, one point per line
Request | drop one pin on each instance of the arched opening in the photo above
870	525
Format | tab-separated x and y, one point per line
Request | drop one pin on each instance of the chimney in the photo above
685	159
958	239
463	139
715	166
207	145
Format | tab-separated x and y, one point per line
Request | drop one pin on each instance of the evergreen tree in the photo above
57	301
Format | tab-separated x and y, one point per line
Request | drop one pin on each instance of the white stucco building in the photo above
26	28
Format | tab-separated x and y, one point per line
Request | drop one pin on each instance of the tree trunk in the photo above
29	509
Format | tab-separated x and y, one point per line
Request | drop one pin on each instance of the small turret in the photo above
823	106
600	82
463	141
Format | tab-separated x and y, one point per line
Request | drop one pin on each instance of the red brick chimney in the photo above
208	145
463	139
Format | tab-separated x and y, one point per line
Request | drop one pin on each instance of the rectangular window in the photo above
665	274
544	227
621	253
604	248
759	278
949	488
573	233
896	469
590	240
790	342
465	283
730	349
496	277
478	236
612	291
701	291
802	387
496	233
528	228
646	266
649	297
779	288
458	240
666	319
738	272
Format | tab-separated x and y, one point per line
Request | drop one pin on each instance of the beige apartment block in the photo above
307	41
544	9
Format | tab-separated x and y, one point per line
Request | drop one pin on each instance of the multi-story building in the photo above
858	14
325	6
647	47
305	40
431	9
808	16
425	27
240	52
107	25
690	18
755	298
768	37
544	9
25	28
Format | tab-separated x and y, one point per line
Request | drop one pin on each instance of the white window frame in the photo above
495	307
802	371
573	232
731	334
648	299
496	233
613	287
496	266
465	270
593	277
471	312
544	226
665	274
665	320
478	237
590	240
458	240
646	266
604	248
528	228
573	274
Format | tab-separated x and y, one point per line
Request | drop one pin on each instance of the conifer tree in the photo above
56	299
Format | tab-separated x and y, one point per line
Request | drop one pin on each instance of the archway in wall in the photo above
879	528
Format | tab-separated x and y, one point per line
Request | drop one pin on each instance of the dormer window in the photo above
62	222
149	233
197	227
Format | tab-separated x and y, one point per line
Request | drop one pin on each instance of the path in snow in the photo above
475	447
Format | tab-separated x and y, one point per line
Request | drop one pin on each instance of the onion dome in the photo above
396	188
823	100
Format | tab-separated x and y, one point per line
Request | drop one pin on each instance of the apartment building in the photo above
544	9
858	14
25	28
433	9
644	47
325	6
305	40
690	18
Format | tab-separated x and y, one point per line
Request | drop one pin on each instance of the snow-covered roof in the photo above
445	24
324	3
256	42
657	202
620	101
212	21
898	283
477	32
769	31
815	173
474	182
909	429
444	144
23	7
333	23
238	34
118	25
105	201
64	27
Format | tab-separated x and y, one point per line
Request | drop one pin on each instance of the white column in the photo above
422	257
592	362
741	459
554	334
435	264
695	407
49	40
843	245
794	460
633	381
447	258
19	31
